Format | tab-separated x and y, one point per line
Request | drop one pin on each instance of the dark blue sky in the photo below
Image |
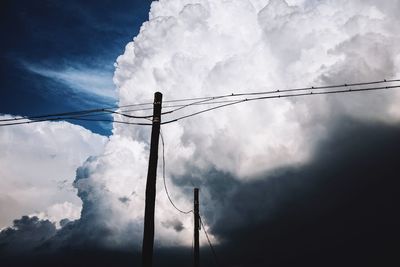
58	56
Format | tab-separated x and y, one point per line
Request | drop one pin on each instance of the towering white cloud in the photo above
197	48
192	48
37	168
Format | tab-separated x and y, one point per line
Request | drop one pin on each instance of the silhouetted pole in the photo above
148	234
196	252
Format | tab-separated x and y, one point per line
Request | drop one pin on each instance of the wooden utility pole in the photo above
196	252
148	234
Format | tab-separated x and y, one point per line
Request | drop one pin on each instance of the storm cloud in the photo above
339	208
287	182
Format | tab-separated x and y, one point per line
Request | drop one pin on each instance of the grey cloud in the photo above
174	224
27	233
341	206
124	200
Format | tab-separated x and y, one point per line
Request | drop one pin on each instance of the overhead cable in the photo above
286	90
76	113
77	118
165	183
210	100
350	90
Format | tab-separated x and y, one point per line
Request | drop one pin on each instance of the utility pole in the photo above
196	253
148	234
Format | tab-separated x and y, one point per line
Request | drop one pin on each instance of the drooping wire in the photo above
111	121
195	103
165	183
77	118
128	116
198	101
81	117
282	96
76	113
39	117
209	242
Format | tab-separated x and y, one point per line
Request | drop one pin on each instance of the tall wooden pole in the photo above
196	252
148	234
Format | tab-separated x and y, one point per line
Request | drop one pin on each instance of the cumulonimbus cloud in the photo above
192	48
198	48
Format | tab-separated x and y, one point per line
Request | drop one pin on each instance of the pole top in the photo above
158	95
157	98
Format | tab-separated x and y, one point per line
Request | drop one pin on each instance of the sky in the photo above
59	56
301	181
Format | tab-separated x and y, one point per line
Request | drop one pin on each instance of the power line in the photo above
209	242
95	112
165	183
227	103
38	117
282	96
287	90
77	118
112	121
206	100
128	116
74	113
193	103
199	101
316	88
